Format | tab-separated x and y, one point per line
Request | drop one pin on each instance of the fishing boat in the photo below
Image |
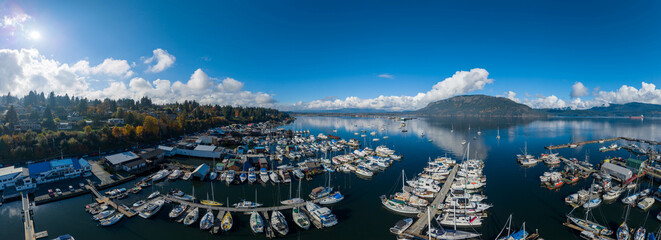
152	209
332	199
612	194
279	223
256	222
264	175
227	222
401	226
192	216
112	220
207	220
103	214
300	219
177	211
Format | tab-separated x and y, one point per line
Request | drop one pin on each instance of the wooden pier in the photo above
437	204
577	228
101	199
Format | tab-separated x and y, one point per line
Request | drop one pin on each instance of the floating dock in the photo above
105	200
28	223
576	144
419	225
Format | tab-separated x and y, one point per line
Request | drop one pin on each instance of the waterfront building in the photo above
59	169
18	178
127	161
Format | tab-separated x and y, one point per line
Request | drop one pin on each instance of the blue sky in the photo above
301	51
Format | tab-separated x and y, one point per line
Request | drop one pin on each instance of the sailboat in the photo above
519	235
623	232
207	220
300	218
498	136
256	222
211	202
440	233
279	223
588	225
397	205
296	200
227	222
192	217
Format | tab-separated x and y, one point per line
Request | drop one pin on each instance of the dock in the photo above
105	200
28	223
576	144
234	209
579	166
437	204
577	228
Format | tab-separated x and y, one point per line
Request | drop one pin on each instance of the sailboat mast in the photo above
403	180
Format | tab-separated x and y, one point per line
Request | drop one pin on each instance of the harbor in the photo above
361	203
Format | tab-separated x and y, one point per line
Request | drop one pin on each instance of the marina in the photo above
358	192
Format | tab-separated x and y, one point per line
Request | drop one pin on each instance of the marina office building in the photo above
59	169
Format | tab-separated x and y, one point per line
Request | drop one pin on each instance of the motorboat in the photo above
139	203
177	211
247	204
103	214
320	192
401	226
152	209
646	203
264	175
154	195
111	220
243	177
321	214
292	201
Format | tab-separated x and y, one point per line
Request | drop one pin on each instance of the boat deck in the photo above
100	198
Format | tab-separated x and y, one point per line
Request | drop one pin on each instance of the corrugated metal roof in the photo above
208	148
10	170
121	157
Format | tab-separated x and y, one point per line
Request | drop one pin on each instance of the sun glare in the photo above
35	35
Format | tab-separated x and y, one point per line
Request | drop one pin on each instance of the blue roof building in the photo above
59	169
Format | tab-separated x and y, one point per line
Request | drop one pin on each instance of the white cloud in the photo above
385	75
460	83
512	96
546	102
15	21
579	90
163	61
25	70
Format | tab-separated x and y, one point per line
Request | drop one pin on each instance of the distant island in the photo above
490	106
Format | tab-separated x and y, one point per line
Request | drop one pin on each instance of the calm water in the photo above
510	188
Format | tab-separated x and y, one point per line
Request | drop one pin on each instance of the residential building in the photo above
64	126
116	121
21	127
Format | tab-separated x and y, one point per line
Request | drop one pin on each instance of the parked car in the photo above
58	191
50	192
71	188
